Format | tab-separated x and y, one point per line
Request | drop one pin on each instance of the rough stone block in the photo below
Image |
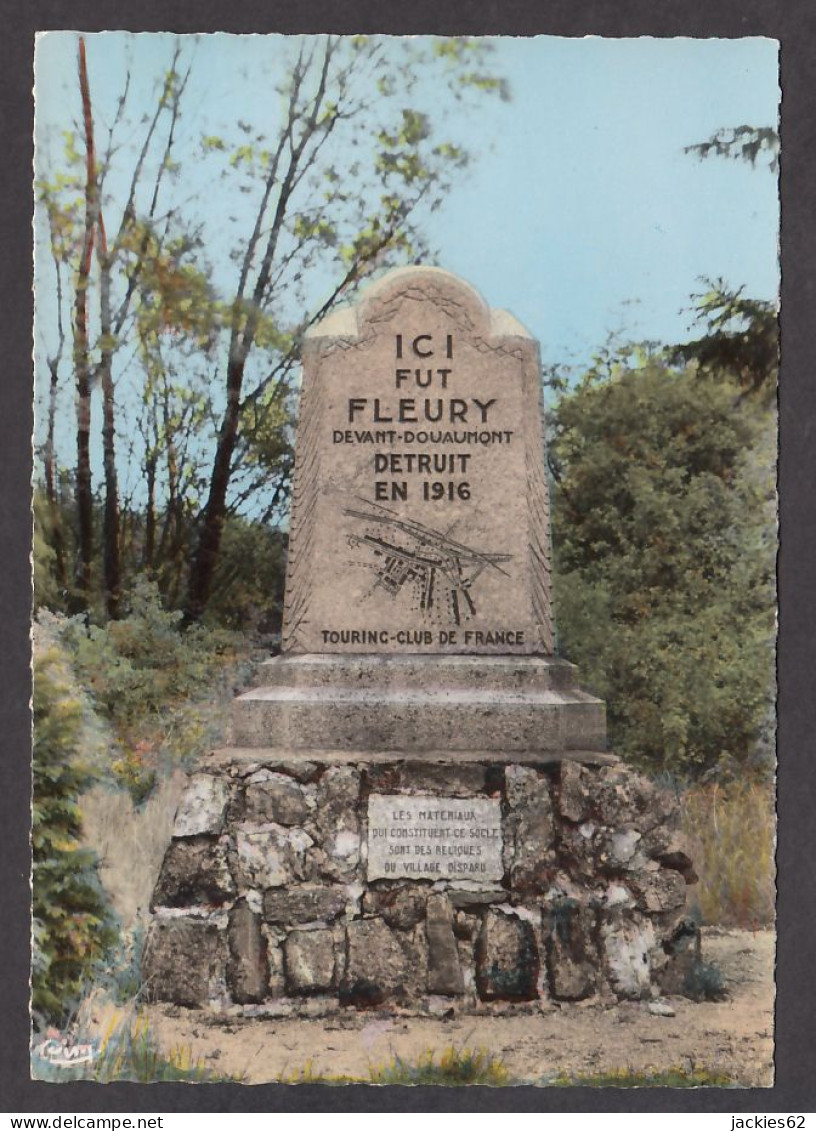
308	958
336	821
401	908
574	799
194	872
270	856
628	941
672	851
572	958
277	799
202	806
468	899
424	777
577	850
680	956
465	926
300	770
414	947
444	971
619	850
660	890
376	968
247	975
625	798
274	960
299	905
182	961
531	825
507	962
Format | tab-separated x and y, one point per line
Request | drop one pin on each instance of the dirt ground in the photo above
734	1037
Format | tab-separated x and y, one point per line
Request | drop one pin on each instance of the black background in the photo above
794	24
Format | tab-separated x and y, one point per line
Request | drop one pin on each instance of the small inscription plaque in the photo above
432	837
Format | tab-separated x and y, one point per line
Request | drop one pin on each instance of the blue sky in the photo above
593	217
580	212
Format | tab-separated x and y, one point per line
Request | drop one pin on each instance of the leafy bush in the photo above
731	829
705	982
162	690
248	583
73	931
136	666
664	540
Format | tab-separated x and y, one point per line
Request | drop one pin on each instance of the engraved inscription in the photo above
419	508
435	838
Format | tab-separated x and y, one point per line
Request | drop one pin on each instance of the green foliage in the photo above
72	928
248	589
741	143
665	568
145	678
741	340
46	588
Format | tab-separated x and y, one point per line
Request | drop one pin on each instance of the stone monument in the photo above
418	810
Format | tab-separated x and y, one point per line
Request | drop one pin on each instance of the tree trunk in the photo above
57	540
82	375
112	569
150	516
212	523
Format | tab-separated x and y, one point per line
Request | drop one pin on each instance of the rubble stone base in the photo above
263	905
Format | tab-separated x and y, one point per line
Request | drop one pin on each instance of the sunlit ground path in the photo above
732	1038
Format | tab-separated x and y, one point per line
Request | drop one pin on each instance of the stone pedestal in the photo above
423	705
416	833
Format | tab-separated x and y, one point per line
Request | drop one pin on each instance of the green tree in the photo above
664	543
754	144
741	340
187	317
341	190
98	306
72	930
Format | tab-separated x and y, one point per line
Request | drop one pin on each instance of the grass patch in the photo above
453	1068
308	1074
131	1052
678	1076
732	829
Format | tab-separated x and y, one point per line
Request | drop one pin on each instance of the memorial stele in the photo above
418	800
420	532
419	511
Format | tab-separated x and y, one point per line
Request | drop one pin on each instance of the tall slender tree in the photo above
306	205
